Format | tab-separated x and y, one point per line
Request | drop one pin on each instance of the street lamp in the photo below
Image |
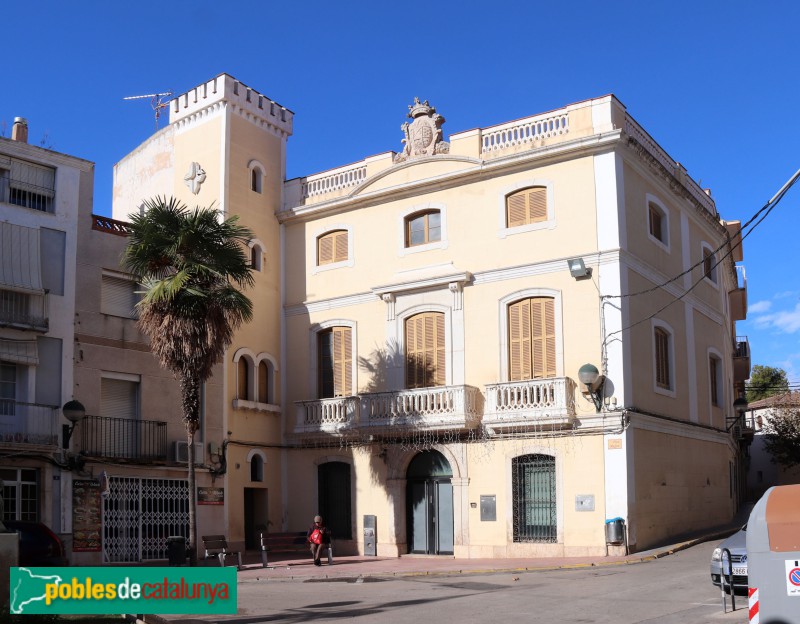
593	380
73	411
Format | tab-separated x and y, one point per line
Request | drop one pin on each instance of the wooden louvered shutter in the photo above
526	206
325	249
340	246
342	361
662	358
519	329
242	374
537	204
425	351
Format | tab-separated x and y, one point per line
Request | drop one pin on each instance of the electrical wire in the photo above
766	209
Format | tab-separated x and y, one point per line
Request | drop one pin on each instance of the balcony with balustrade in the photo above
741	359
326	416
439	408
533	402
28	424
126	439
24	310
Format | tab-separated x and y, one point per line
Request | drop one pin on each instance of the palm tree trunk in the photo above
190	390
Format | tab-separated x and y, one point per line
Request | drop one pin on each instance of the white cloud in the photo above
786	321
759	306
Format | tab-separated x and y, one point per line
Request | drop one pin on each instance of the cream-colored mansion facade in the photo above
412	367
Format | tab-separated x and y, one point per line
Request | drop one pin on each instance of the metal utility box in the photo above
371	535
488	508
773	555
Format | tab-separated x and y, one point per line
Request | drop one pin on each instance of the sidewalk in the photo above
291	566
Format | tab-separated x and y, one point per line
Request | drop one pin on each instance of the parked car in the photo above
38	545
737	545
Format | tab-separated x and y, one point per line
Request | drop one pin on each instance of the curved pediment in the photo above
415	171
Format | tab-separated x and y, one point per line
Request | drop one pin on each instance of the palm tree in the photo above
191	264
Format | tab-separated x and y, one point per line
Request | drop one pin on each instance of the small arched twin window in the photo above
255	383
256	256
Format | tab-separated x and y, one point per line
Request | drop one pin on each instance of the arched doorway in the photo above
430	504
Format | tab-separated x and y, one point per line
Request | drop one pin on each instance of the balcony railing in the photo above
326	415
23	193
741	359
23	310
110	226
437	408
27	423
123	438
530	402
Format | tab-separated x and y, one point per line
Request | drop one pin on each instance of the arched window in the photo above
332	247
533	479
526	206
264	382
532	339
256	177
256	468
423	228
242	379
256	255
425	350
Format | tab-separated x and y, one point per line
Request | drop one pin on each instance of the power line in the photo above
766	209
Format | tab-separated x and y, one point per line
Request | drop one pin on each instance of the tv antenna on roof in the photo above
156	101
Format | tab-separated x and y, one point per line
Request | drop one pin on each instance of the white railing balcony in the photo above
530	402
437	408
27	423
524	131
334	180
328	416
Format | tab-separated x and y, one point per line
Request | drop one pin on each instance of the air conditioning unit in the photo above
182	452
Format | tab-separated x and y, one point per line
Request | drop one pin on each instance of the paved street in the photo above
675	589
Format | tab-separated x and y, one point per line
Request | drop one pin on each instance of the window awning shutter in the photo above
118	398
20	265
19	351
118	297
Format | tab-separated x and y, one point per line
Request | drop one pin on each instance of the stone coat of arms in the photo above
424	134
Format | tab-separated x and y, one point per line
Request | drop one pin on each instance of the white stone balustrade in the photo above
531	402
443	407
326	415
334	180
524	131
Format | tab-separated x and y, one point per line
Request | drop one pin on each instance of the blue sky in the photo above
715	83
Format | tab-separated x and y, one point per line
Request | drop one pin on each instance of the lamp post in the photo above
593	380
73	411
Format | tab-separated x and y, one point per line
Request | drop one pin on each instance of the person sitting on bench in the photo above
319	537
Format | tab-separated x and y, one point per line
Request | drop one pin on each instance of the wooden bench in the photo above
217	546
289	542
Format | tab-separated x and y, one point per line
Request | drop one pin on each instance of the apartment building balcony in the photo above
741	359
437	408
539	402
27	424
128	439
738	296
326	416
24	310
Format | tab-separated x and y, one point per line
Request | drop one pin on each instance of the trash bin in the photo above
176	550
615	531
773	555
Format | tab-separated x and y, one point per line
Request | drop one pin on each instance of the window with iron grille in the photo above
27	184
534	498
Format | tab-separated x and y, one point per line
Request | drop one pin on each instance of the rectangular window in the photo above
8	388
119	297
713	370
119	398
662	359
425	351
709	265
335	352
26	184
20	494
655	223
534	498
532	339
